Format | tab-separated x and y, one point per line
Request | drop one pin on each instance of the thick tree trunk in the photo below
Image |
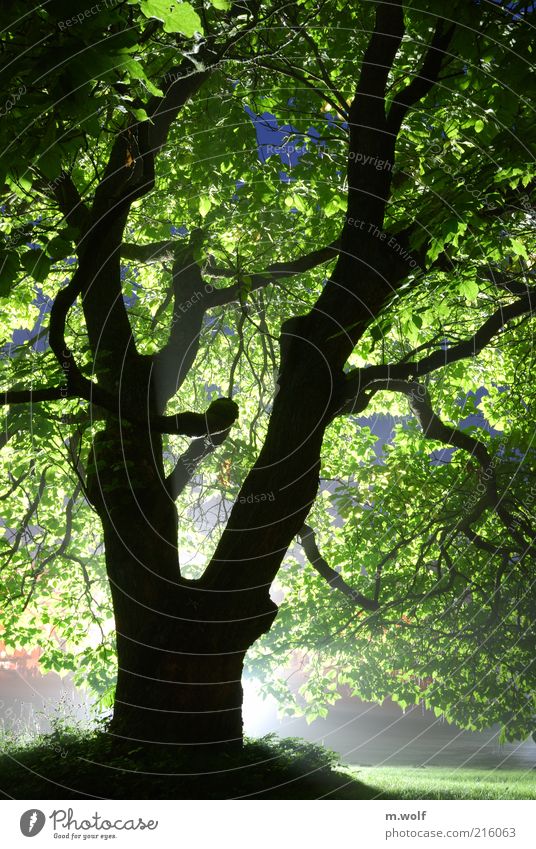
180	658
174	685
180	647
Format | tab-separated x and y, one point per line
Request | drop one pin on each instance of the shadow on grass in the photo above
72	765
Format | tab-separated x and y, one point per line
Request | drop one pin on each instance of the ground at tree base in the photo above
70	765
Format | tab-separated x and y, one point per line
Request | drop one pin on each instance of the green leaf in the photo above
436	247
479	126
519	248
297	202
37	264
176	17
136	72
58	248
204	205
469	289
19	182
224	5
332	207
140	114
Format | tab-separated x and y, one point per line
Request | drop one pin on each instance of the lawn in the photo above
447	782
77	764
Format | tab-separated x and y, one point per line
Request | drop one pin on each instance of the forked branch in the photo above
336	581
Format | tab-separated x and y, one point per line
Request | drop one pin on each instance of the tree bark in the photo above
180	648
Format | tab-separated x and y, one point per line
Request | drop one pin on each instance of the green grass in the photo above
76	763
447	782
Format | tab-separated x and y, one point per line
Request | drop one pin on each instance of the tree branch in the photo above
506	282
219	416
59	552
155	252
32	507
425	79
434	428
274	272
336	581
370	137
70	203
290	71
324	72
431	424
379	57
178	85
31	396
193	297
359	380
188	462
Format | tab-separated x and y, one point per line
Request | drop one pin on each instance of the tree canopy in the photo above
245	205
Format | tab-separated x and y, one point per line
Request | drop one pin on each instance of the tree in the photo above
377	254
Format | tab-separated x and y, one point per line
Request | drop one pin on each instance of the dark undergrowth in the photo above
70	764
